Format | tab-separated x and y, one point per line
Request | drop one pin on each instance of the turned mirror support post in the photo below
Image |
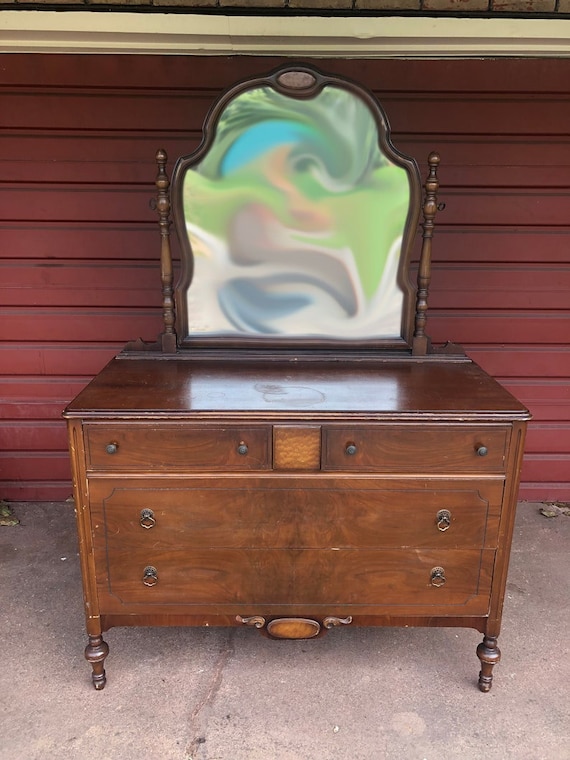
168	337
421	342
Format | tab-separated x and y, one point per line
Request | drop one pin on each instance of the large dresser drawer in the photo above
285	513
177	447
259	579
414	448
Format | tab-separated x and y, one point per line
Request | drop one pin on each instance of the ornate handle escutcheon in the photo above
333	622
443	519
293	628
254	620
150	576
147	519
437	577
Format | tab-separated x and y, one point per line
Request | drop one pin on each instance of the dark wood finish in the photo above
168	342
200	387
293	581
299	488
306	513
489	654
171	447
95	653
382	539
388	449
421	340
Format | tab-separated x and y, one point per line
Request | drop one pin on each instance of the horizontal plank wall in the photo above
79	246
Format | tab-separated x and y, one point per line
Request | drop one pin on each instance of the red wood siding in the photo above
79	246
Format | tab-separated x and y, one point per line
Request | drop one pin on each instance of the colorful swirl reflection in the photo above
295	220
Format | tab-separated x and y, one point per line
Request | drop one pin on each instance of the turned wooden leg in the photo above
95	653
489	654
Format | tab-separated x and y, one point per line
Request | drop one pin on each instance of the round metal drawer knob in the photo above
112	448
242	449
350	450
482	451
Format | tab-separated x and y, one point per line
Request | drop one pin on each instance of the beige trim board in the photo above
319	37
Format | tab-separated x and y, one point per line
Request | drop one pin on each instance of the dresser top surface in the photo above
133	386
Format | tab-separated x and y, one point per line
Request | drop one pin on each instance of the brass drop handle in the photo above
112	448
147	519
437	577
242	449
482	451
150	576
443	520
350	449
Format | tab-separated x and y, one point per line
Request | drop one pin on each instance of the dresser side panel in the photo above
84	531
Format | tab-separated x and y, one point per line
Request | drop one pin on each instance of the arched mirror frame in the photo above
303	83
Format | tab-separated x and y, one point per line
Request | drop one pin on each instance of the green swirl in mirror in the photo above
295	221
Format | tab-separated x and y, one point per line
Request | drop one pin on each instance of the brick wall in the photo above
534	8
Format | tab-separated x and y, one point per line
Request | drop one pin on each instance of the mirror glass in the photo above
295	221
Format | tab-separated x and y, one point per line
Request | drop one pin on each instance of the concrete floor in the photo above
219	694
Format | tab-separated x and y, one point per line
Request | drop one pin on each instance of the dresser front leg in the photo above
489	654
95	653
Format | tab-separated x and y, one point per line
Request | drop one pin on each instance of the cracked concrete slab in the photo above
225	694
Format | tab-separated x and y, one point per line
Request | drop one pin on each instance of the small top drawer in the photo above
176	447
415	448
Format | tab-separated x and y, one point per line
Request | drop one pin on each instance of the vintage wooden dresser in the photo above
288	455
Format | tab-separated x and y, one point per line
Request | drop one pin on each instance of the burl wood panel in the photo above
296	447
